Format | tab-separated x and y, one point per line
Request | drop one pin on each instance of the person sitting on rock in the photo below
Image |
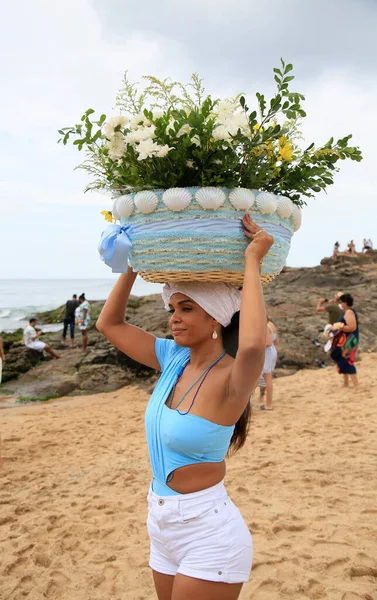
336	249
351	247
32	341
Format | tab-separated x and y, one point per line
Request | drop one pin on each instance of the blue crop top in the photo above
176	440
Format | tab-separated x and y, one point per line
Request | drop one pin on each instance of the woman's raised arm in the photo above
249	360
133	341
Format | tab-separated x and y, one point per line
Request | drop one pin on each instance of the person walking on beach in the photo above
345	343
32	341
270	358
69	319
200	545
83	320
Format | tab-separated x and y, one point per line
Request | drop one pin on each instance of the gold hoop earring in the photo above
214	335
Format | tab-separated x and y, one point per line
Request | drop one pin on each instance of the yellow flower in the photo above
256	127
286	149
286	153
108	215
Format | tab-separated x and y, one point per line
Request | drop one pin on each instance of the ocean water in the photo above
22	298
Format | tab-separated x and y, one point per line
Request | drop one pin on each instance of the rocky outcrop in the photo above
291	303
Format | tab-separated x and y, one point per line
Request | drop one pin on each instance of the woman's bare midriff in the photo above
195	478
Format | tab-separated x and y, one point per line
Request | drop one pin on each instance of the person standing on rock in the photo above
2	358
32	341
69	319
368	245
332	307
83	320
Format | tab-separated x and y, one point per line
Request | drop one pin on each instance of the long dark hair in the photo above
241	429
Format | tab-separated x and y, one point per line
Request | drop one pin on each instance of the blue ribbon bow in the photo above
114	247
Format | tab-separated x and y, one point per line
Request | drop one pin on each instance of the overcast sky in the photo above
59	58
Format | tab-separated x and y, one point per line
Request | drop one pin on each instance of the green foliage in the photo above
25	399
172	135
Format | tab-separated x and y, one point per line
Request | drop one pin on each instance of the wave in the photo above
15	314
12	319
23	312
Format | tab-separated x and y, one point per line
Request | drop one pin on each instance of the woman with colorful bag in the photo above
345	343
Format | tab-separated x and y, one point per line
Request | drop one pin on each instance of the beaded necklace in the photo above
203	374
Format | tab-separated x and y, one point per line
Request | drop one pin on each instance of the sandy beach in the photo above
75	472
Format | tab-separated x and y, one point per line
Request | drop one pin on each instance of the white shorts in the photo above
200	535
37	345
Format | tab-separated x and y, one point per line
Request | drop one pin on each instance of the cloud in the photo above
248	36
59	59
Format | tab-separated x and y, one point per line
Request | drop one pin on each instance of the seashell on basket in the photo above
195	234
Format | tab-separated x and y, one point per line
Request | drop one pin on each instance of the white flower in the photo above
236	122
120	120
218	162
163	151
139	119
170	127
140	134
221	133
190	164
116	146
185	130
132	137
196	140
225	109
229	127
146	149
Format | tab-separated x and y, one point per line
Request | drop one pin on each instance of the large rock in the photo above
291	303
19	359
34	388
106	378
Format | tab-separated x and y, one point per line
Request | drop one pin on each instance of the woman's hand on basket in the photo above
261	240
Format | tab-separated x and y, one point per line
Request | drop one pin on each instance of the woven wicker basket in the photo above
195	234
207	277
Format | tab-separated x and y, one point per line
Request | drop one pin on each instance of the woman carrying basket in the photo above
200	545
